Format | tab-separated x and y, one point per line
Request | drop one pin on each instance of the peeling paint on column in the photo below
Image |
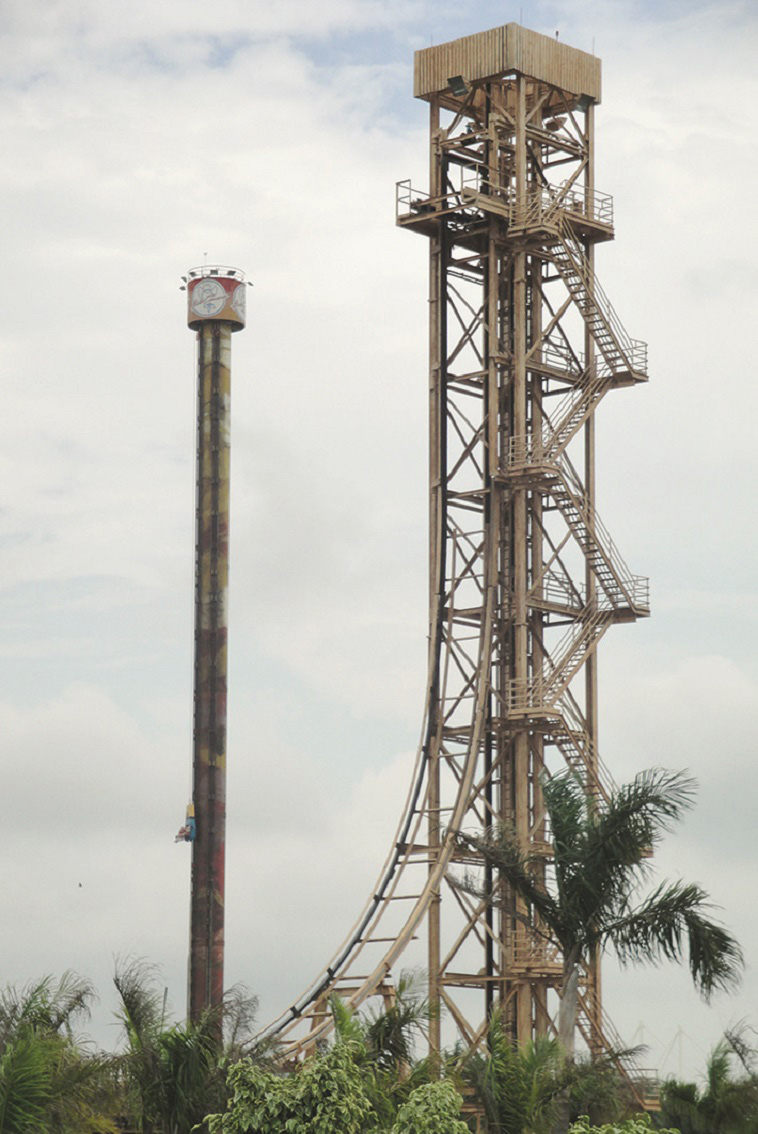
216	308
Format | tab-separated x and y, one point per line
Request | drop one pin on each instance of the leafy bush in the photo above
431	1109
640	1124
325	1095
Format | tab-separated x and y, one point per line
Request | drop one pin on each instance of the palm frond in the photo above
640	813
566	801
621	834
516	1087
672	916
390	1032
348	1028
239	1011
70	1001
25	1083
141	1008
501	851
745	1051
43	1004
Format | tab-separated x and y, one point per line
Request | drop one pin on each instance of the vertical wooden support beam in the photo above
493	513
523	1019
591	712
594	991
437	535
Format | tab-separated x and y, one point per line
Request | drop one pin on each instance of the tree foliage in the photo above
174	1074
382	1042
516	1087
727	1103
522	1089
365	1081
325	1095
432	1108
48	1081
639	1124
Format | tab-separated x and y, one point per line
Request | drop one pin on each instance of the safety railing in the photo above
636	586
560	590
576	728
557	357
568	491
412	203
532	951
634	351
542	690
557	428
542	204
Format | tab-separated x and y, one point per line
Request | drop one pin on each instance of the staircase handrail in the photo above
556	587
585	202
636	586
534	690
566	647
634	350
637	1075
551	439
573	718
552	207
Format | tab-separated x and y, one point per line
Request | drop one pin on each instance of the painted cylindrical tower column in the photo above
216	308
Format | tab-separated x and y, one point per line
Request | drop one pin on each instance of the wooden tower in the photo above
524	577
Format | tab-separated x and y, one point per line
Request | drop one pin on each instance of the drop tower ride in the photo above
215	308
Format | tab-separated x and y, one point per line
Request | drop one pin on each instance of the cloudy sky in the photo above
138	137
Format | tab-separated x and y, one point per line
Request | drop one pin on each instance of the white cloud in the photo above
270	136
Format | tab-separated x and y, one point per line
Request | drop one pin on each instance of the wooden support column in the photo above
437	537
494	943
594	991
520	540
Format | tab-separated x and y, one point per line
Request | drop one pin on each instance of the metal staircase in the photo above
568	732
552	211
564	423
543	691
626	593
624	356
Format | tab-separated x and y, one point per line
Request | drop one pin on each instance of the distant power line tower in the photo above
524	578
215	308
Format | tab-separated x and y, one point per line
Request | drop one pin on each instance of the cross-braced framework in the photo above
524	577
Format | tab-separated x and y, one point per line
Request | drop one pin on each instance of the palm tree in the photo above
522	1089
48	1079
590	902
727	1104
390	1033
516	1088
382	1045
175	1074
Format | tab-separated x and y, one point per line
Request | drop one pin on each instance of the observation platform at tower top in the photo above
507	49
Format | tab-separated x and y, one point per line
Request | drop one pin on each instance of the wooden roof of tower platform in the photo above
494	53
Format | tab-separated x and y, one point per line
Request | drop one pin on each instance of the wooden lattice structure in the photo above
524	577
